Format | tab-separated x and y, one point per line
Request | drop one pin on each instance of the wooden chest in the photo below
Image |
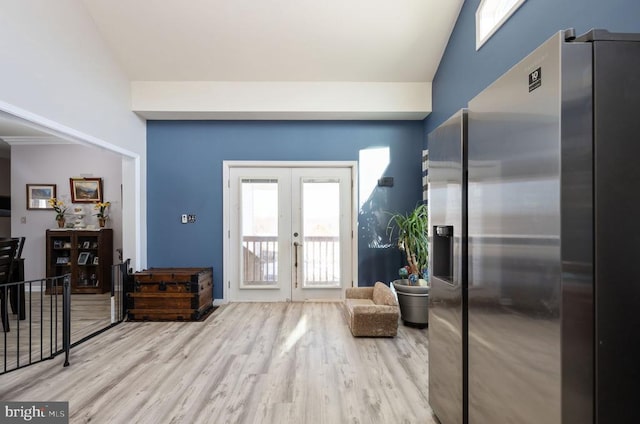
170	294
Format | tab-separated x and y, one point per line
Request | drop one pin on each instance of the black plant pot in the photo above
413	302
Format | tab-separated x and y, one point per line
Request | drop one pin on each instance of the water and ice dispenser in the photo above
443	252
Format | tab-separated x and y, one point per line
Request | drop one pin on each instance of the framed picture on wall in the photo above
86	190
38	196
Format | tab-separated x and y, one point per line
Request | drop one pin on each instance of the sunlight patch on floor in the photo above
296	334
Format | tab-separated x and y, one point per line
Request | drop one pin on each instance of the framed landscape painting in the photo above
86	190
38	195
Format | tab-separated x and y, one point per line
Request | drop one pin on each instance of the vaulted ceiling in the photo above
397	43
277	40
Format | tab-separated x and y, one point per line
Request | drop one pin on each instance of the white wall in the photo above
55	70
55	164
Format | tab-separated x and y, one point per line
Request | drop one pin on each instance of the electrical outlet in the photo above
183	218
23	220
191	219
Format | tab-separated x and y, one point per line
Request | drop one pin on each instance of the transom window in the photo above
490	16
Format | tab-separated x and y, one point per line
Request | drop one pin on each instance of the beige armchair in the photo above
372	311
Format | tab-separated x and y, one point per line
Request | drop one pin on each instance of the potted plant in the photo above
409	231
101	207
60	209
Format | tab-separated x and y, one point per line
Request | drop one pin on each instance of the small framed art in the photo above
83	258
38	196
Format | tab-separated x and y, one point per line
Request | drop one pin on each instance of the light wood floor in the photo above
247	363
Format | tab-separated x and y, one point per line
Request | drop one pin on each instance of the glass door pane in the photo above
321	229
259	227
290	233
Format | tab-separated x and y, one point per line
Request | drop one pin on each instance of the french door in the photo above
290	233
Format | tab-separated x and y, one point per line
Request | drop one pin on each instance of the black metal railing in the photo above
38	328
120	275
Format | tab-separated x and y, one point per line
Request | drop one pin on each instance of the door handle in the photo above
295	259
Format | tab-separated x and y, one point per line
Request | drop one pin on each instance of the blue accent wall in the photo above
464	72
184	175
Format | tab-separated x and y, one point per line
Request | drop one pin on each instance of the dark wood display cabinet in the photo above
85	254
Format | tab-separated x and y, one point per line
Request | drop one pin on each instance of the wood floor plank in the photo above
247	363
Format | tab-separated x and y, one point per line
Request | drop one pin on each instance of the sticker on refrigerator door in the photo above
535	79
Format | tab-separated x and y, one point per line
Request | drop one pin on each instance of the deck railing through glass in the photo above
321	261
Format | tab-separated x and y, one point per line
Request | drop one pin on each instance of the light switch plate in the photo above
183	218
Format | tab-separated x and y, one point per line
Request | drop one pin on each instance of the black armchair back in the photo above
8	248
20	246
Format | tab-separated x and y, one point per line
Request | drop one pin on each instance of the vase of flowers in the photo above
101	207
59	208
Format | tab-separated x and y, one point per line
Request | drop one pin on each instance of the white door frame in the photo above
226	202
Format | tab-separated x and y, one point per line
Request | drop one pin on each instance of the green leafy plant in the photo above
410	232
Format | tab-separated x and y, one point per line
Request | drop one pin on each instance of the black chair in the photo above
20	246
8	248
16	293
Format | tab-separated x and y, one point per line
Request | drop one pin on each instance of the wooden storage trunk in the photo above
171	294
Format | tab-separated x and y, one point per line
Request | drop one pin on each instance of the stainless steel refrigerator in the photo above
447	295
535	294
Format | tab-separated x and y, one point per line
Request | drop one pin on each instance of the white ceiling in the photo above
12	128
277	40
399	41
